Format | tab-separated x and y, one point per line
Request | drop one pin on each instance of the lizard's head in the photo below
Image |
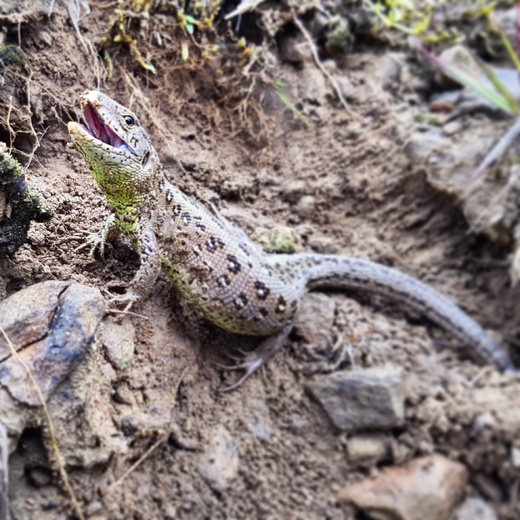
116	148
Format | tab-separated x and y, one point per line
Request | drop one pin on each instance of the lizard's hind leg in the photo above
265	351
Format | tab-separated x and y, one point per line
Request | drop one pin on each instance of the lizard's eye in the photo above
129	120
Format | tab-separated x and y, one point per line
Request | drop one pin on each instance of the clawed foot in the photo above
128	298
97	241
249	365
252	362
94	241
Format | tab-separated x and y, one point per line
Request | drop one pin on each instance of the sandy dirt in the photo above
345	185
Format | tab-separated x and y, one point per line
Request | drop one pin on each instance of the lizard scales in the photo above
215	265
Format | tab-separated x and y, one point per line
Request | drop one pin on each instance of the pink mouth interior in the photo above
100	130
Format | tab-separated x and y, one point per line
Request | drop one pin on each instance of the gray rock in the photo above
51	325
39	477
124	395
367	449
4	473
474	508
219	462
371	399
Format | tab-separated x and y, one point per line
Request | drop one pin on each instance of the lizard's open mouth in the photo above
97	128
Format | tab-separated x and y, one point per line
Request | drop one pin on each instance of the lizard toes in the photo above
250	365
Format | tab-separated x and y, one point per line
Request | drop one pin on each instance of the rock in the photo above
93	508
515	260
460	58
219	462
475	508
39	477
367	449
306	206
427	489
50	325
506	19
292	191
4	472
362	399
315	319
119	341
390	68
515	457
452	127
124	395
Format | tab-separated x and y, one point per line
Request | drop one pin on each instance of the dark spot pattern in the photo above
281	305
202	227
262	291
186	219
233	264
263	312
177	209
161	185
241	301
211	244
224	280
169	196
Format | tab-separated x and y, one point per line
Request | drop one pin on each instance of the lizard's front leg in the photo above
96	241
145	278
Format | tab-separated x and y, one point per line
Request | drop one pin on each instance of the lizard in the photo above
214	264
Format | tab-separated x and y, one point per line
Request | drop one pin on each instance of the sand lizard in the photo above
215	265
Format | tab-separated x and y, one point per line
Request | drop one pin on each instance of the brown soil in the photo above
346	186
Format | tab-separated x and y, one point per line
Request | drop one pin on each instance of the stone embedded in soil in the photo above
371	399
367	449
219	462
315	319
428	488
39	477
515	457
119	341
4	472
461	58
475	508
51	325
123	395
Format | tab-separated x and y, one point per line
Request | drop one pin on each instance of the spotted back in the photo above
220	270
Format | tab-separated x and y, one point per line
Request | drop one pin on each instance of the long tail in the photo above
364	275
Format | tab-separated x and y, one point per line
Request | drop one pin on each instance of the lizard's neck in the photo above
125	189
